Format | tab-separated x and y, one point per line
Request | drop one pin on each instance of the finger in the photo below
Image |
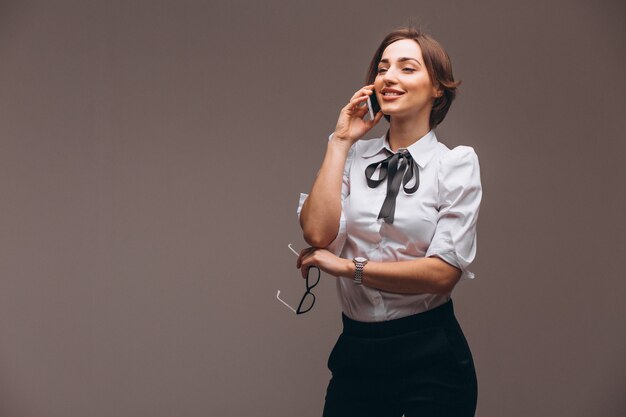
355	102
302	255
359	99
364	90
362	106
368	88
307	263
299	261
361	112
378	116
304	270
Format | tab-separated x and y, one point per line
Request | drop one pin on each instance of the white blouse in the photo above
439	219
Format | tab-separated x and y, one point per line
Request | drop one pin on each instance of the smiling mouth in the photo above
391	96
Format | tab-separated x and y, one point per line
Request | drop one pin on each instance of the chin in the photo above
391	112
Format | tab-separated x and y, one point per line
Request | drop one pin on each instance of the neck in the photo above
405	131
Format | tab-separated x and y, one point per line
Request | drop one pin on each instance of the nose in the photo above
389	76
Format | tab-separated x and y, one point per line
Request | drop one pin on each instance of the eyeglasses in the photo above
308	299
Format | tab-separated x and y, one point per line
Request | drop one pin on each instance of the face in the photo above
406	77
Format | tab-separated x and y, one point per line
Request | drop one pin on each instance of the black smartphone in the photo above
372	105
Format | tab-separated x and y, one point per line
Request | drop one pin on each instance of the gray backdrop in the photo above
152	155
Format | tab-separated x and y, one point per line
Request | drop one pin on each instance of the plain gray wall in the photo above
151	158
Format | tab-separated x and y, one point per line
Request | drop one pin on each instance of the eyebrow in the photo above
401	59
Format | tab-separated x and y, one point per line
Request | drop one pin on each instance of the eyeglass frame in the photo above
308	288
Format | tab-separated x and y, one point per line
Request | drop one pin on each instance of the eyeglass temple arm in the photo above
293	250
290	307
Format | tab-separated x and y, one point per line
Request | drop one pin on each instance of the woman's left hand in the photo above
324	260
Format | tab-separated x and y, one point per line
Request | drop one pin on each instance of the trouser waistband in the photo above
440	315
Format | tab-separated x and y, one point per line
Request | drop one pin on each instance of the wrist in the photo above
339	143
359	265
349	268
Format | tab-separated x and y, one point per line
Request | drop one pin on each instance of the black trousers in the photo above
419	366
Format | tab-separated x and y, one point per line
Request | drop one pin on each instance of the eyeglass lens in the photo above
312	281
308	299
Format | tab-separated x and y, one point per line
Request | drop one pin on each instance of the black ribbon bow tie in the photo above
398	168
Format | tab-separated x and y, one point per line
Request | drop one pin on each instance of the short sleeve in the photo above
336	246
460	194
345	182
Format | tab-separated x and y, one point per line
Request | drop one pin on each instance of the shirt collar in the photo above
422	150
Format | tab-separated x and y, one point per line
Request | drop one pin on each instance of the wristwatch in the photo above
360	262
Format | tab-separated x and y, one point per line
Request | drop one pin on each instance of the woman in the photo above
394	219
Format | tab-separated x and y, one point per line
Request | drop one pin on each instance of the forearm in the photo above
419	276
321	212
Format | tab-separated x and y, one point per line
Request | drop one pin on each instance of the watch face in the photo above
360	259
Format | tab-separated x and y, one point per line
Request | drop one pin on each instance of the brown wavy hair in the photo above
437	64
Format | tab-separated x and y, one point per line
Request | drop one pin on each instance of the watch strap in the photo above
358	271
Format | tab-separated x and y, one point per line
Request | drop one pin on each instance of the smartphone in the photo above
372	105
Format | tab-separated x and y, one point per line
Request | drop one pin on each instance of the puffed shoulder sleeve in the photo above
460	193
336	245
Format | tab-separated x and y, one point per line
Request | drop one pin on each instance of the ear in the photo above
437	92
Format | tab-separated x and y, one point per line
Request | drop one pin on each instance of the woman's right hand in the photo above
351	126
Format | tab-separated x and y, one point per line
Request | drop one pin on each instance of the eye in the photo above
406	68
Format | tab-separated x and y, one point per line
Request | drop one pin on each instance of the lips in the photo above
391	97
393	94
391	90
